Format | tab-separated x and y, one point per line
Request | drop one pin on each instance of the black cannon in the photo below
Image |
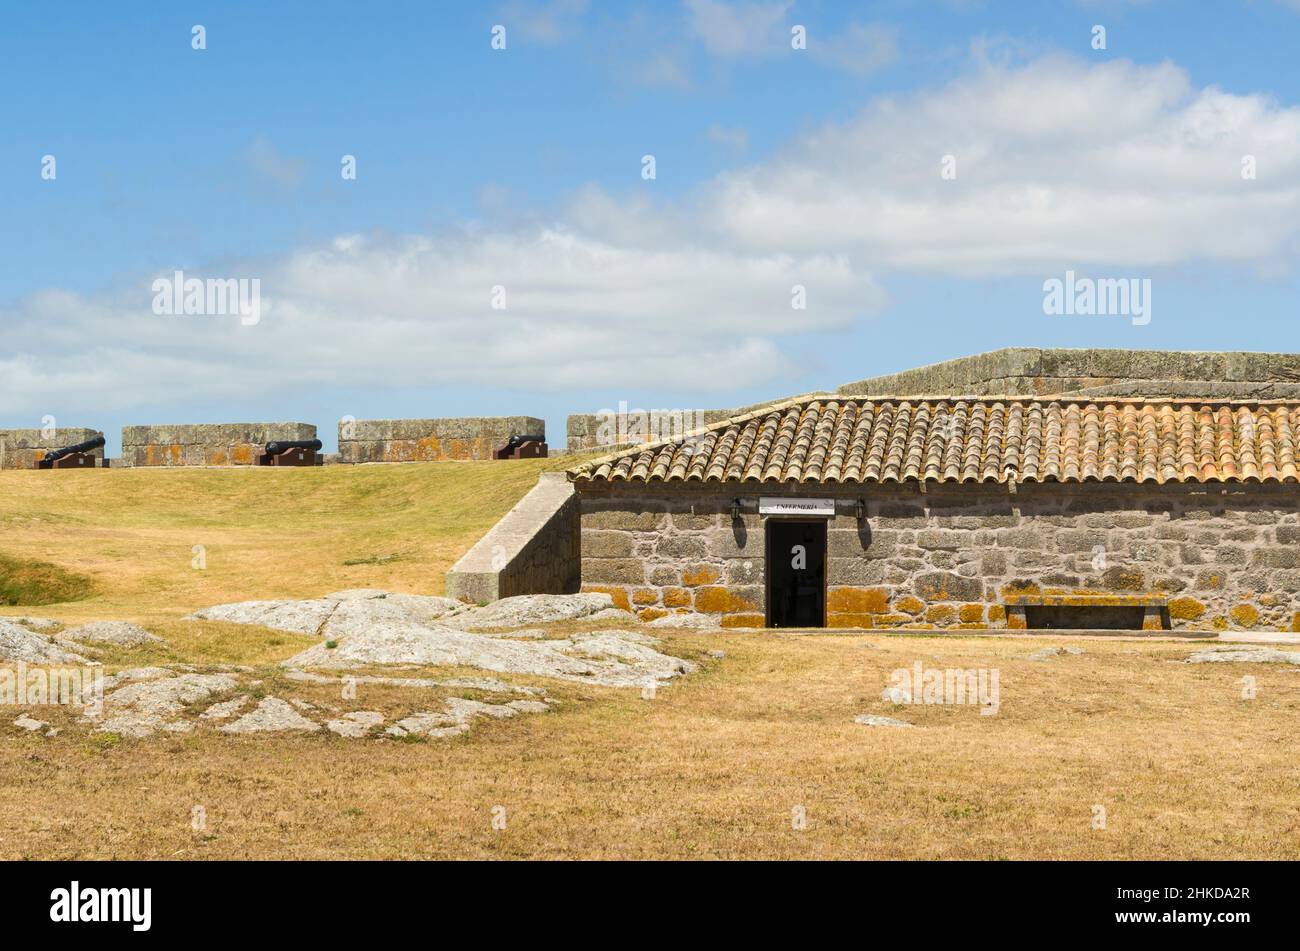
522	447
291	452
74	457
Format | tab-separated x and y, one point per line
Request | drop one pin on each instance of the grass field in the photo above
717	765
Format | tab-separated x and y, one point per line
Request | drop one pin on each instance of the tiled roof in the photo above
977	439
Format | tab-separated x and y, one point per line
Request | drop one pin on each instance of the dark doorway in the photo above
796	573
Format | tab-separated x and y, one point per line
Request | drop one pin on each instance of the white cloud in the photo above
272	166
546	23
859	48
740	29
736	139
1058	161
413	312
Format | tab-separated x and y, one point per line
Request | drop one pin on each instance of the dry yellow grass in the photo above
710	767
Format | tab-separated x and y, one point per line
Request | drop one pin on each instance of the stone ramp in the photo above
534	549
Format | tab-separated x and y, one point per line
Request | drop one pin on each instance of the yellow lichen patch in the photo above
695	575
651	614
850	620
743	620
909	604
857	600
892	620
941	614
972	627
1013	588
242	455
997	612
1245	615
1185	609
970	613
722	600
1295	621
1220	623
645	595
618	594
676	597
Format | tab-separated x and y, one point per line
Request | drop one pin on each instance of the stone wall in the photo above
23	448
532	550
1035	372
205	444
626	427
428	440
961	557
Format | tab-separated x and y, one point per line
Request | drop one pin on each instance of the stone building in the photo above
1041	489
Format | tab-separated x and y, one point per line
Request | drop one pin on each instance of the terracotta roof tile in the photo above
975	439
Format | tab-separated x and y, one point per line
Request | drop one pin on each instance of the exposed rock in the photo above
612	616
116	633
717	655
465	710
694	621
297	617
1047	652
142	707
457	715
606	658
456	683
529	706
356	723
896	694
132	674
874	719
428	724
18	643
336	614
526	634
271	715
1244	655
224	710
41	625
29	724
533	609
417	607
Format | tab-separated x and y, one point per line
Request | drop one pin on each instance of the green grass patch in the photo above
24	583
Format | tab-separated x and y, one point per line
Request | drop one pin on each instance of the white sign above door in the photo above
776	506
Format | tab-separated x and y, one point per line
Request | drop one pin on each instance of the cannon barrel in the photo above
283	445
517	441
86	446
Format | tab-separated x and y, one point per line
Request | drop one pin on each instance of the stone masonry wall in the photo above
1221	557
428	440
532	550
603	430
1033	372
205	444
23	448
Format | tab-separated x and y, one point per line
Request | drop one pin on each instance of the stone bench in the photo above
1153	606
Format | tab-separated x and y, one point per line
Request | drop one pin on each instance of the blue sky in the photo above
522	168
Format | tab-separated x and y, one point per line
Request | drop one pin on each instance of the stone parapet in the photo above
23	448
1024	371
430	440
205	444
